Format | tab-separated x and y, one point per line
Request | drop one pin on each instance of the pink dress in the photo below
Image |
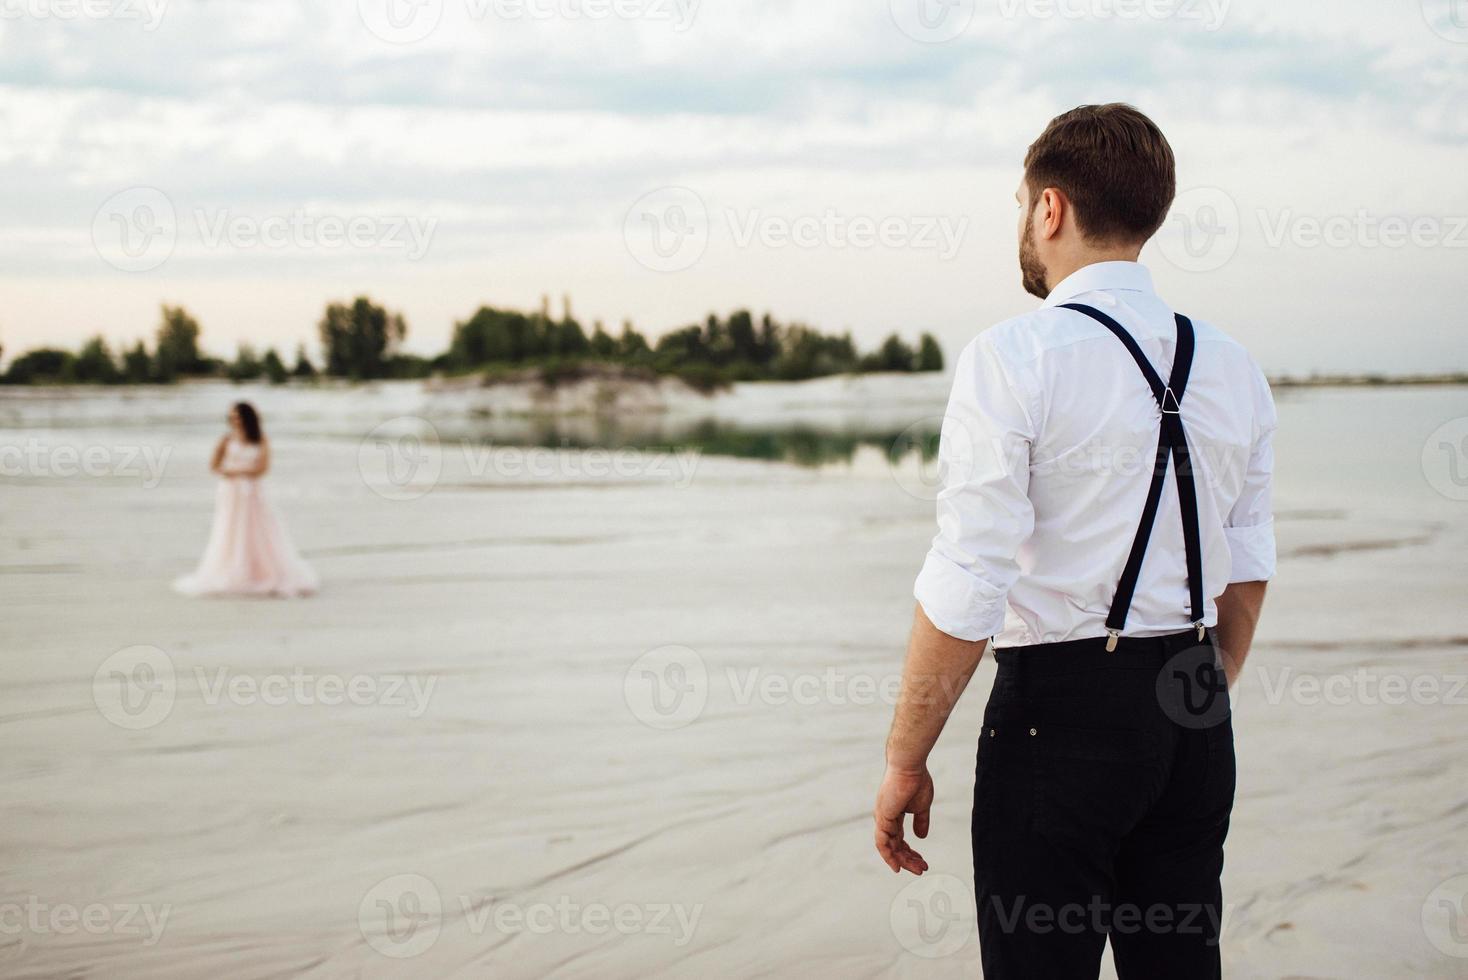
249	552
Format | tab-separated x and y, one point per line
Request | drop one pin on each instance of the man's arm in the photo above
1238	615
937	670
984	515
1249	531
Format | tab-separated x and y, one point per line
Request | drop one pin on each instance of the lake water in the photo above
1366	445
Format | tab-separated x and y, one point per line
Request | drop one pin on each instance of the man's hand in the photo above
903	792
1238	615
934	675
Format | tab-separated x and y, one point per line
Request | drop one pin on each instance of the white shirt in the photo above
1045	458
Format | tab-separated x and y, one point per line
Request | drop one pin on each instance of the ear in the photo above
1053	208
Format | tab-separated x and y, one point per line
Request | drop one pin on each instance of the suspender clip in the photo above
1170	404
1201	630
1111	637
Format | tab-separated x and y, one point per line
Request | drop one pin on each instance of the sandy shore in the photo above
469	756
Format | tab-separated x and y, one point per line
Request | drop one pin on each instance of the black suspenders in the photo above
1172	441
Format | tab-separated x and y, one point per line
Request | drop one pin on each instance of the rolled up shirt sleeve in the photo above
1249	528
984	510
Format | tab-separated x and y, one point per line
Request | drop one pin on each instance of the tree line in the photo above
362	340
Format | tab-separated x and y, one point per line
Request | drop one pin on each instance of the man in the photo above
1104	519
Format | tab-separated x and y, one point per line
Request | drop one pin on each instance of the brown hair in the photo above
1115	166
249	421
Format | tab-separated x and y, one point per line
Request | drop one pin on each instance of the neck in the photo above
1062	266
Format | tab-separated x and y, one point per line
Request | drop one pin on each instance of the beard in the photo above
1032	271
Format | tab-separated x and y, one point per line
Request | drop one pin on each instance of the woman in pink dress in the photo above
249	552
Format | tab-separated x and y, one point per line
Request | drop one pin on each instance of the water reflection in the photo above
802	444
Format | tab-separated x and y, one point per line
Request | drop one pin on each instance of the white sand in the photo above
561	835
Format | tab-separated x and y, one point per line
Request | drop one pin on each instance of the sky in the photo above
850	164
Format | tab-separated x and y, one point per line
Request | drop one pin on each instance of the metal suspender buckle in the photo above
1170	404
1111	637
1201	630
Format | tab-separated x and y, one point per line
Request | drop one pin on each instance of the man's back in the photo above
1047	458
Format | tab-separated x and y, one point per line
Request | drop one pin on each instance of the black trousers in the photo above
1102	796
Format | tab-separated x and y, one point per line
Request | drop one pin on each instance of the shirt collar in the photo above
1131	276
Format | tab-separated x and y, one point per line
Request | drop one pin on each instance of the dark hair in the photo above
1115	166
249	421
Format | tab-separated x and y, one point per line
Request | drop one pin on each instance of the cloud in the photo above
522	134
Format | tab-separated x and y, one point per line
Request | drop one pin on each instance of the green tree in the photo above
683	347
137	366
893	355
360	339
631	345
743	342
717	348
409	366
178	345
801	351
246	365
930	355
808	353
45	365
95	364
492	336
603	344
768	347
273	367
569	340
304	368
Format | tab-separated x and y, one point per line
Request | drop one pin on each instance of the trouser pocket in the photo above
1003	780
1091	785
